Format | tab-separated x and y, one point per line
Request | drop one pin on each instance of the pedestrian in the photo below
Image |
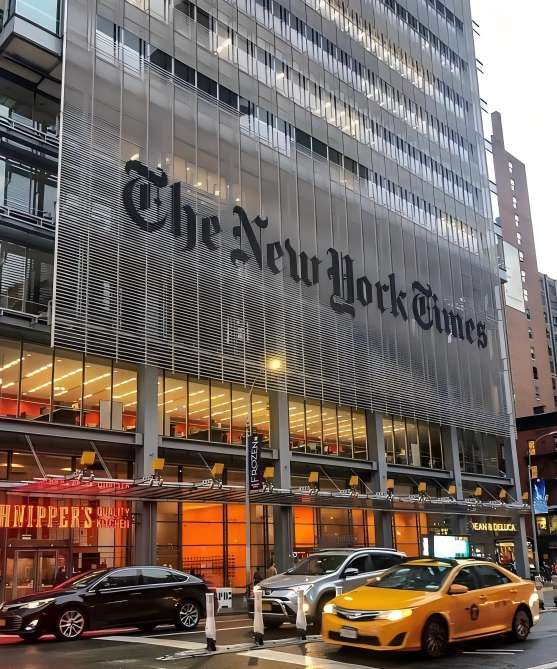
272	571
257	576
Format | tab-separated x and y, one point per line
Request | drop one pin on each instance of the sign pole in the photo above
533	512
247	510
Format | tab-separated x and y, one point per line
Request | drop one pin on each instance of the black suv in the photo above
142	597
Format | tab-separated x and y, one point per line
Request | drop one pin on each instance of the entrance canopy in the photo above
207	491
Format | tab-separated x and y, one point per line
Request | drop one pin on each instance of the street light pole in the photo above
273	365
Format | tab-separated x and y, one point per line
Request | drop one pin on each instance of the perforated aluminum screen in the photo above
150	296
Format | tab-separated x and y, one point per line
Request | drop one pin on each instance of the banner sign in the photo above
488	526
254	462
539	496
28	516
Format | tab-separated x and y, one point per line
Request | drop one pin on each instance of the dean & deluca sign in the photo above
29	516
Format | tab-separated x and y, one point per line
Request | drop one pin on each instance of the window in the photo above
467	577
525	296
523	275
530	334
518	238
516	220
532	353
527	312
162	59
384	561
152	576
515	202
510	167
512	185
535	372
361	563
521	256
123	578
489	576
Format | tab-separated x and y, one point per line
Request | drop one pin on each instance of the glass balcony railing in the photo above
43	13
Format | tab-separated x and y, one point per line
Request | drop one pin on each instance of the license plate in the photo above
348	632
2	622
266	606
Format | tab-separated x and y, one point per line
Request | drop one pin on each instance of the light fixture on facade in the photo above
354	483
274	364
452	490
503	495
313	480
268	479
217	471
478	492
156	477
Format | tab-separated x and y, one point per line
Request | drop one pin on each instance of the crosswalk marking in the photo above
551	665
151	641
200	631
309	661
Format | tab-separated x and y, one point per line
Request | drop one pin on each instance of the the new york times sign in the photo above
348	291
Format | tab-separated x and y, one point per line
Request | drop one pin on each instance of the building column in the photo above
521	536
376	446
283	525
147	444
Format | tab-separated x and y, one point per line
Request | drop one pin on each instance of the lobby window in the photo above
322	428
408	442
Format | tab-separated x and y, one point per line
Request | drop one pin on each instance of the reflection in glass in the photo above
67	388
10	363
96	390
175	406
260	415
239	415
296	419
124	398
220	412
313	428
198	409
330	432
401	454
360	434
344	432
36	382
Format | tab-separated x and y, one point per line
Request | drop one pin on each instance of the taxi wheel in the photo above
521	625
435	638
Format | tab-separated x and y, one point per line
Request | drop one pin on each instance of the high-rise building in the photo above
526	328
549	304
223	219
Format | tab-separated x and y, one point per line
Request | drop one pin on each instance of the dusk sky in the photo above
517	48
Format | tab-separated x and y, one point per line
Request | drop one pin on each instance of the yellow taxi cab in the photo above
426	603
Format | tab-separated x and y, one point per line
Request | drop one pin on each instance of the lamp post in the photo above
272	365
532	451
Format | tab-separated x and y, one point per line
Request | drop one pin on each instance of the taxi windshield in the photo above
413	577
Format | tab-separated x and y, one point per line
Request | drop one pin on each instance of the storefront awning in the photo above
206	492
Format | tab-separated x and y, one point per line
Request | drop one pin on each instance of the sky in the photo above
518	49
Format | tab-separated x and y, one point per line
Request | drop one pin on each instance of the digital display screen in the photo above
446	546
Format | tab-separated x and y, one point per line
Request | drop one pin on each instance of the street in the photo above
120	649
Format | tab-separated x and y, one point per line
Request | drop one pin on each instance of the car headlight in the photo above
304	588
394	615
329	608
37	603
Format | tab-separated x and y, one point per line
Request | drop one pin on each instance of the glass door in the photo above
29	571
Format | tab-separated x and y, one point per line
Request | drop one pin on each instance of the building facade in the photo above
549	304
223	219
530	358
542	430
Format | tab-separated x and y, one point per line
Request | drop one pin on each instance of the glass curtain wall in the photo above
207	410
25	279
415	443
321	428
481	453
44	384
